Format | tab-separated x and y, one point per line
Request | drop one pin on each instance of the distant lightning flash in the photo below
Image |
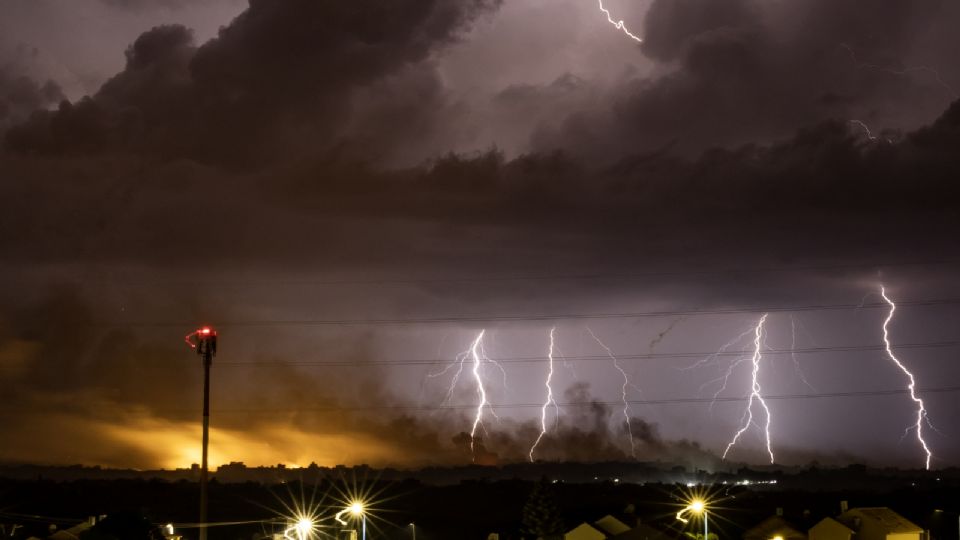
623	390
755	394
620	25
549	400
921	411
865	128
900	72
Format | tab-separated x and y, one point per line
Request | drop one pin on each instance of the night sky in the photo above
350	192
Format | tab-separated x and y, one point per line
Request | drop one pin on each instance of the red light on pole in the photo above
204	341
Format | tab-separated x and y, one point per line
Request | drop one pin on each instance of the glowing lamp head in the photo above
206	331
777	538
356	508
697	506
305	525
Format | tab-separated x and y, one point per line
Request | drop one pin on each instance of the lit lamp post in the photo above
698	507
303	529
204	341
358	511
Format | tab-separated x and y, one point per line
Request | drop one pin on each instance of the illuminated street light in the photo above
699	507
303	529
357	510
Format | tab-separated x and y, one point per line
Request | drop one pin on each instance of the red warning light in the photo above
201	334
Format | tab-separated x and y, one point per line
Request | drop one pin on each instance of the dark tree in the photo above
541	516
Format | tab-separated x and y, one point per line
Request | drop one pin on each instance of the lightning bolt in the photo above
476	355
865	128
754	394
620	25
793	353
921	411
623	390
900	72
476	352
549	400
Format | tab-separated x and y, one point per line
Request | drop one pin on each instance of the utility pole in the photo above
206	347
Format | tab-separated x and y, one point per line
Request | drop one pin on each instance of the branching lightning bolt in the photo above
623	390
921	411
755	394
620	25
477	356
549	400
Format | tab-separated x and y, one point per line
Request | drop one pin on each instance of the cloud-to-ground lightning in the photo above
755	394
620	25
477	357
549	401
623	390
921	410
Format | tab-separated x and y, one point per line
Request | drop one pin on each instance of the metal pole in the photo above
364	527
413	531
706	530
207	360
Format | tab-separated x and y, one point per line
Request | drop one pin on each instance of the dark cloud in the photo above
739	71
20	96
279	75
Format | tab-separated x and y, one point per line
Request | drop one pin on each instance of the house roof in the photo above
642	532
883	517
584	531
774	526
836	523
611	525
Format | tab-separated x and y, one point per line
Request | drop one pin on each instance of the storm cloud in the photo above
314	181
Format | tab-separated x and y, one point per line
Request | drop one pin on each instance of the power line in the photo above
599	358
535	317
532	277
569	404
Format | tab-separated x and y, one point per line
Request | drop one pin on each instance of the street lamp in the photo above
303	528
357	510
696	506
413	531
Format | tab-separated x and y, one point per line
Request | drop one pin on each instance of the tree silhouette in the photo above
541	516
